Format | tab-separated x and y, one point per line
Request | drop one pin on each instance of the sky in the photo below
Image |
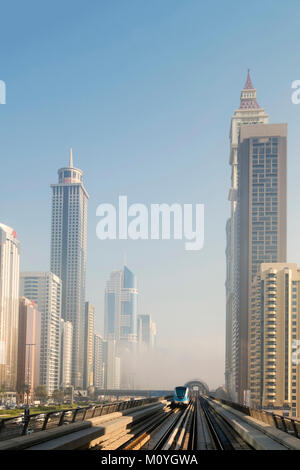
143	91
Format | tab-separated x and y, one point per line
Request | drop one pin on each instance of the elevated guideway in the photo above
157	424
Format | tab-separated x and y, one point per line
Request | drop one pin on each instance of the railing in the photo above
27	424
284	423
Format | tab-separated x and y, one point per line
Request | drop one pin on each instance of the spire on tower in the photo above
71	158
248	84
248	95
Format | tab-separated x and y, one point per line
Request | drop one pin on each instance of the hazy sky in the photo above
144	91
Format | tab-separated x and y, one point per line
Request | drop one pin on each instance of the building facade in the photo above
29	346
146	332
68	255
66	340
112	364
262	156
98	361
274	347
88	370
45	289
9	306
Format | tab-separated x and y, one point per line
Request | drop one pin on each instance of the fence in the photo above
27	424
284	423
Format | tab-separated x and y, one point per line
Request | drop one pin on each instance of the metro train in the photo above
181	396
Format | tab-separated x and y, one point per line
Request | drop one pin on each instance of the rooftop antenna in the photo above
71	158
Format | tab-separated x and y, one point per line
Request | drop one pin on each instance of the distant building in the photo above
146	332
88	370
29	346
112	364
44	288
66	332
121	307
274	349
9	306
98	361
120	324
68	255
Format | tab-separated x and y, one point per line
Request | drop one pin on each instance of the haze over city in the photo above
144	95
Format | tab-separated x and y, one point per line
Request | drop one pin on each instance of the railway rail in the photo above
195	427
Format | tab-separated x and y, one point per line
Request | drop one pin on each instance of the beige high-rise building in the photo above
45	289
29	345
9	306
274	346
262	156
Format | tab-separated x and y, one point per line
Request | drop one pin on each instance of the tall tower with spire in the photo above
68	254
249	113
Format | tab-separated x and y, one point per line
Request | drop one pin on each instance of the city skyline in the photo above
173	155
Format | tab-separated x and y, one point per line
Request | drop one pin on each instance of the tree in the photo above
1	393
41	393
58	395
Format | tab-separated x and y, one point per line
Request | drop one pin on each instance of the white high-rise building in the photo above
247	114
98	361
66	353
146	332
88	369
44	288
9	306
112	365
68	255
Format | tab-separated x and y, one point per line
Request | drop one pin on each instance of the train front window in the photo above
180	391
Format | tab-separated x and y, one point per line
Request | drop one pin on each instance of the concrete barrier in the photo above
81	435
259	435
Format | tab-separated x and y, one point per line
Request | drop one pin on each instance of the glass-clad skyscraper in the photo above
121	306
68	255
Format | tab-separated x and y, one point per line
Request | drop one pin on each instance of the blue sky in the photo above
144	91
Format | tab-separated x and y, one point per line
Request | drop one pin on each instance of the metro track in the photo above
196	427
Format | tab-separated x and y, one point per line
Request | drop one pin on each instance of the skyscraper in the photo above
121	325
88	369
249	113
274	339
29	345
44	288
262	156
146	332
121	307
9	306
68	254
